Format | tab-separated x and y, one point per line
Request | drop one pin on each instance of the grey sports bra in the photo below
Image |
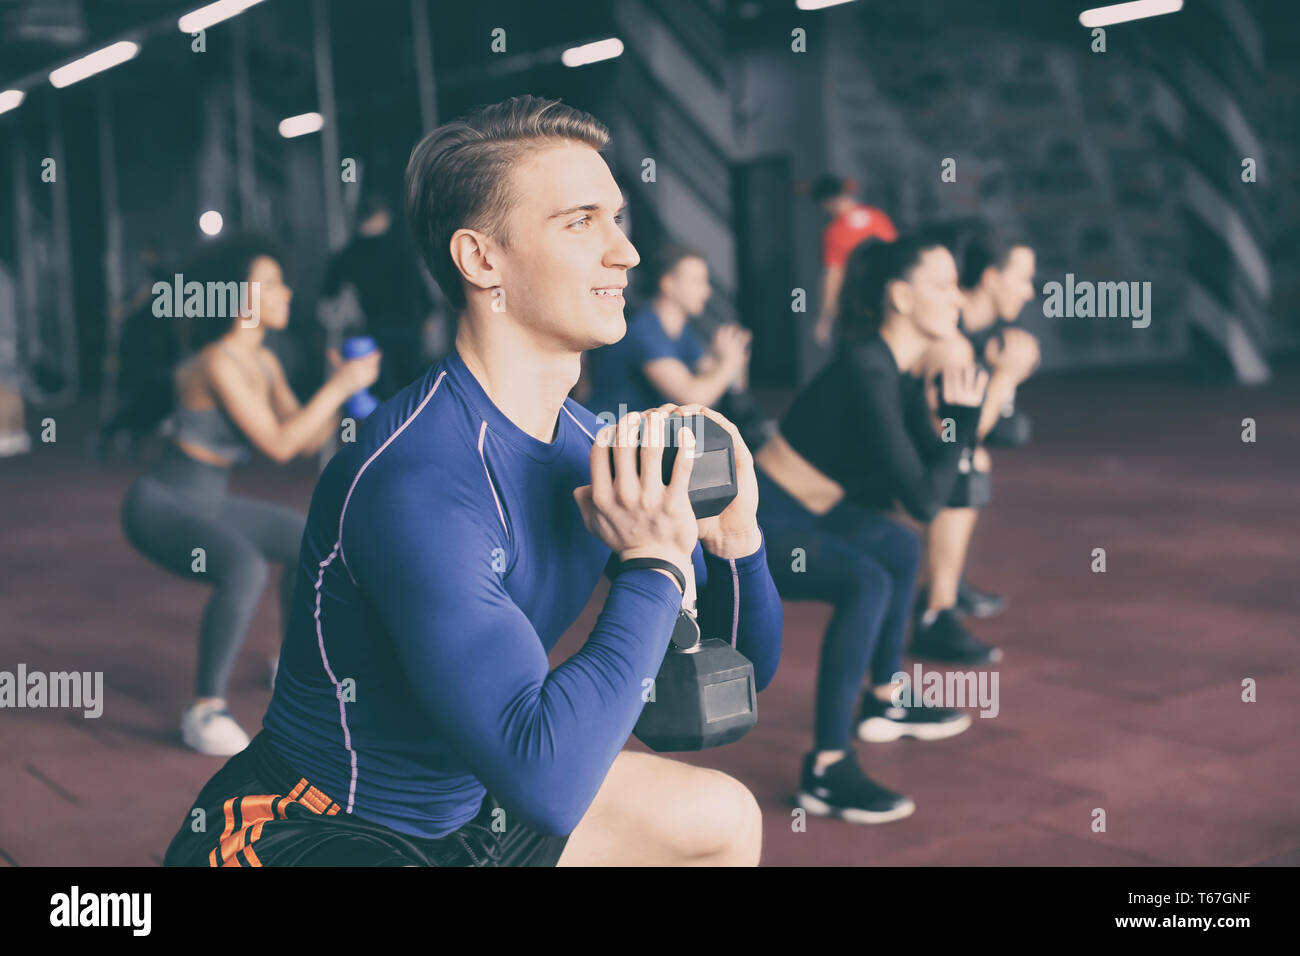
212	429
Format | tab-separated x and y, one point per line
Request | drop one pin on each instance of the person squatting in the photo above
415	719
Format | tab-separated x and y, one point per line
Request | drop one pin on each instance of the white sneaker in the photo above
210	729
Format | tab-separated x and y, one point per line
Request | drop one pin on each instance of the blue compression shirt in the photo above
444	556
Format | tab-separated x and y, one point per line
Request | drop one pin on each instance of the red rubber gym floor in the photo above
1119	691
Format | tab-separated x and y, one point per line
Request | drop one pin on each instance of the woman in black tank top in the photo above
857	439
231	397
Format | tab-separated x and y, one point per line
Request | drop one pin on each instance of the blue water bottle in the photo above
362	403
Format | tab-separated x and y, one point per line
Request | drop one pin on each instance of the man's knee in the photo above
743	824
725	824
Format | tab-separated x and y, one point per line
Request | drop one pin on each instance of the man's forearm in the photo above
739	604
1001	386
710	386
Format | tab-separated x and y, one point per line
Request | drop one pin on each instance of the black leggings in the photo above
183	504
865	565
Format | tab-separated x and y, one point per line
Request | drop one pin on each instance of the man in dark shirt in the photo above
997	282
382	269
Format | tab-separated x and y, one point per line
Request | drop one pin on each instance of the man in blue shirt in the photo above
663	359
415	719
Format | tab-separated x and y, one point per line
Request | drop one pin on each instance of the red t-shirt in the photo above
851	227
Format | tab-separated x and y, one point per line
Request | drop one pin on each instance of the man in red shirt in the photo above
851	222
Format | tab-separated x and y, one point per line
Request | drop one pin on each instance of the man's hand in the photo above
635	515
731	346
1017	354
734	533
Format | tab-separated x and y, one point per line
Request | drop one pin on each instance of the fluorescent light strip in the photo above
301	125
592	52
11	100
1123	12
92	63
819	4
213	13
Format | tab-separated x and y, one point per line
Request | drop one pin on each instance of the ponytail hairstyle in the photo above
153	346
872	265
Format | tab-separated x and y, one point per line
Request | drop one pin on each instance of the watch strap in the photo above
633	564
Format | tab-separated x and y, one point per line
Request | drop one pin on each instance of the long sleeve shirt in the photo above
864	423
444	557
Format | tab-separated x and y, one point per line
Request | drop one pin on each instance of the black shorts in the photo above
256	811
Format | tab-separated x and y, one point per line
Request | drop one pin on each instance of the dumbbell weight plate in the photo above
702	698
713	477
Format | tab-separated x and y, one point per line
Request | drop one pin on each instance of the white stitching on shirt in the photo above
360	471
735	601
338	687
482	433
320	578
578	423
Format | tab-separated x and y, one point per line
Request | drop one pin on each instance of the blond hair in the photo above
459	175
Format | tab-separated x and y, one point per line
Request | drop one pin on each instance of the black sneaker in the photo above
842	790
978	603
881	722
946	640
970	602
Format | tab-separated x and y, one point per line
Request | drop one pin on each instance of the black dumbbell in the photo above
704	695
1010	431
713	475
974	489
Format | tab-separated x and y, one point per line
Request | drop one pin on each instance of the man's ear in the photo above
989	279
472	253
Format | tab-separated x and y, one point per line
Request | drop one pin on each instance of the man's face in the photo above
566	242
1013	287
688	285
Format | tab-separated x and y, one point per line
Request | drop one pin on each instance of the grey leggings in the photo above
183	504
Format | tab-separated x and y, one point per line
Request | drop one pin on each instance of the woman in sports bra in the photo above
231	396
